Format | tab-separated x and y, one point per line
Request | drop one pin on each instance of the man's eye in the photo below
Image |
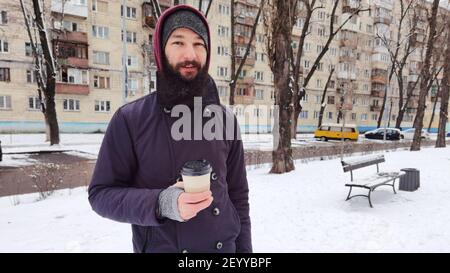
200	44
177	43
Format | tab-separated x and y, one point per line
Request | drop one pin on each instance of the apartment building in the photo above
98	43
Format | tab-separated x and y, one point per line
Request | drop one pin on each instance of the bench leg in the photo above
362	195
393	187
349	192
370	201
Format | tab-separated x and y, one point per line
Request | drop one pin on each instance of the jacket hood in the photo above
157	40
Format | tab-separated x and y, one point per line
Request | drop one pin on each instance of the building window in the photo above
4	74
222	71
30	76
100	32
257	112
353	116
374	117
259	75
130	12
3	17
222	90
101	82
5	102
318	99
102	106
330	100
223	31
224	9
132	61
304	114
364	117
71	105
99	6
28	49
34	103
133	84
330	115
316	115
70	26
101	57
131	37
259	94
4	46
74	76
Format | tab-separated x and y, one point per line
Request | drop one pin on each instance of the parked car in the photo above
336	131
409	134
391	134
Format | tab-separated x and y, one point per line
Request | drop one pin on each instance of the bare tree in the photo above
236	72
45	66
300	92
323	105
443	113
279	47
418	121
398	61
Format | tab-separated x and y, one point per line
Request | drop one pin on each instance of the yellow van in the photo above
336	131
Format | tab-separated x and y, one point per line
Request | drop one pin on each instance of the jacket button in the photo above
213	176
216	211
219	245
184	251
167	111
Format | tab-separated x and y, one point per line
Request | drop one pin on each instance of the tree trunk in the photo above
434	108
49	90
323	105
418	122
281	33
445	86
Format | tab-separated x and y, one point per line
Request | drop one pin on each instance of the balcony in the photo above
250	61
344	106
377	93
148	20
72	89
375	108
379	76
350	6
69	8
71	36
241	39
74	62
245	100
351	43
250	81
245	20
346	75
382	19
347	59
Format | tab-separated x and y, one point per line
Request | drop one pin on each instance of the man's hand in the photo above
189	204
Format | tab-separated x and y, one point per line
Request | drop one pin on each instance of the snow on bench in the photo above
371	182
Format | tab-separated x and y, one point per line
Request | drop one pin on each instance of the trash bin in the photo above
411	180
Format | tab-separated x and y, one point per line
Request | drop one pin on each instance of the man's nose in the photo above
189	53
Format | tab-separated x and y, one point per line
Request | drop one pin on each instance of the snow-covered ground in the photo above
302	211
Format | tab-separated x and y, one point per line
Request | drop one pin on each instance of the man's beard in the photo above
178	90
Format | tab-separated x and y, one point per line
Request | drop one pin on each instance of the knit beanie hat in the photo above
184	19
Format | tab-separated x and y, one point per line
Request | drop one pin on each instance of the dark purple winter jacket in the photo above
139	158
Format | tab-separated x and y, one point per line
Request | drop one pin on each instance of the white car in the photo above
409	134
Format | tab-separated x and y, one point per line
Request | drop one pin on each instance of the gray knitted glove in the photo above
168	203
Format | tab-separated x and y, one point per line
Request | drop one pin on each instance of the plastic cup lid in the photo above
196	168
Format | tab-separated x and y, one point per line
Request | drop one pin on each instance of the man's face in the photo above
186	53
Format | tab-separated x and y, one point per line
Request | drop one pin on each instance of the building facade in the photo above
99	43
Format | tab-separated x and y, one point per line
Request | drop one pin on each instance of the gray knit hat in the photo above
184	19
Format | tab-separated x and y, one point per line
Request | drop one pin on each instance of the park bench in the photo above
369	182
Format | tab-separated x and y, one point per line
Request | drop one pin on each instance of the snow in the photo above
301	211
